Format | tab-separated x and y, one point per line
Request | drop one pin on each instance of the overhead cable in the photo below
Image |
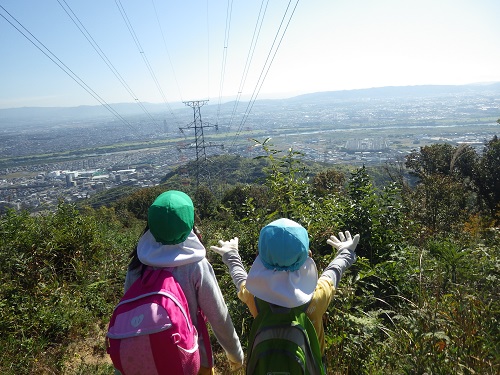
266	67
251	51
103	56
166	49
229	12
142	53
208	55
31	38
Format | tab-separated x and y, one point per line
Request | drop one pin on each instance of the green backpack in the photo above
283	341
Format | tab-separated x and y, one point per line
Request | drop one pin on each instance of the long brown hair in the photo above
134	258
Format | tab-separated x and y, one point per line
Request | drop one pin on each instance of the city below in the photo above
49	154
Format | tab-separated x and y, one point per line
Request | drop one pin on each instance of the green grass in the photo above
415	302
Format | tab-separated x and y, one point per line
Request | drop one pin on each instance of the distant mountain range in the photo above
402	92
29	115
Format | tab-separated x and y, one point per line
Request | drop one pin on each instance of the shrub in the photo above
60	271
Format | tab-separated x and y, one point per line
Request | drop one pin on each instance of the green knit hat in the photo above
171	217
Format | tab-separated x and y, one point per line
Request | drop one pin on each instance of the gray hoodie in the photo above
195	275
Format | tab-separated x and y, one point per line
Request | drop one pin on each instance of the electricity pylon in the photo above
198	126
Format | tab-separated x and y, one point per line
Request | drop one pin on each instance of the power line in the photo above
166	49
103	56
62	66
257	30
142	53
229	12
208	53
251	51
265	70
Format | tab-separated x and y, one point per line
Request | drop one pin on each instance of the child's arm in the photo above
213	305
231	258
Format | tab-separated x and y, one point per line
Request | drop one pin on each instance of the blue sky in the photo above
190	50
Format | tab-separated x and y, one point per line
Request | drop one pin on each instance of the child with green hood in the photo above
170	241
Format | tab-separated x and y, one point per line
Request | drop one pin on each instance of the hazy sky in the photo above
170	51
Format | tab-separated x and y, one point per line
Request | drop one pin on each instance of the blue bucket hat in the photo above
283	273
283	245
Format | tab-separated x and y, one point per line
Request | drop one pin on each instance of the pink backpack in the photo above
151	331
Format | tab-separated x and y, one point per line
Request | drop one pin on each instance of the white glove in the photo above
345	242
226	246
345	257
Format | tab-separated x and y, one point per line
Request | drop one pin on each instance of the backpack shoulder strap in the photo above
312	336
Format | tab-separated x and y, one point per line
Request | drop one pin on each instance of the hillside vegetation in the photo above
423	296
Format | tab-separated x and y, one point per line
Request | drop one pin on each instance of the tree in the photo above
374	214
431	159
439	203
236	199
442	158
328	181
443	197
286	177
487	176
204	202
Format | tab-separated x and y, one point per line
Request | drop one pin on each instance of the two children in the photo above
283	273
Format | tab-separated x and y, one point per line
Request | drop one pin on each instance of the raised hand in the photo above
226	246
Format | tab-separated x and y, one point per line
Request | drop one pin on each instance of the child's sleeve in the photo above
322	297
337	266
238	274
247	298
213	305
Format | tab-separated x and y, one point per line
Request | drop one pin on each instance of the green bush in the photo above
422	298
61	273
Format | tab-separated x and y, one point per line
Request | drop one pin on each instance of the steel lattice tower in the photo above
198	127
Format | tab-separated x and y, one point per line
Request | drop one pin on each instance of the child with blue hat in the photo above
284	273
